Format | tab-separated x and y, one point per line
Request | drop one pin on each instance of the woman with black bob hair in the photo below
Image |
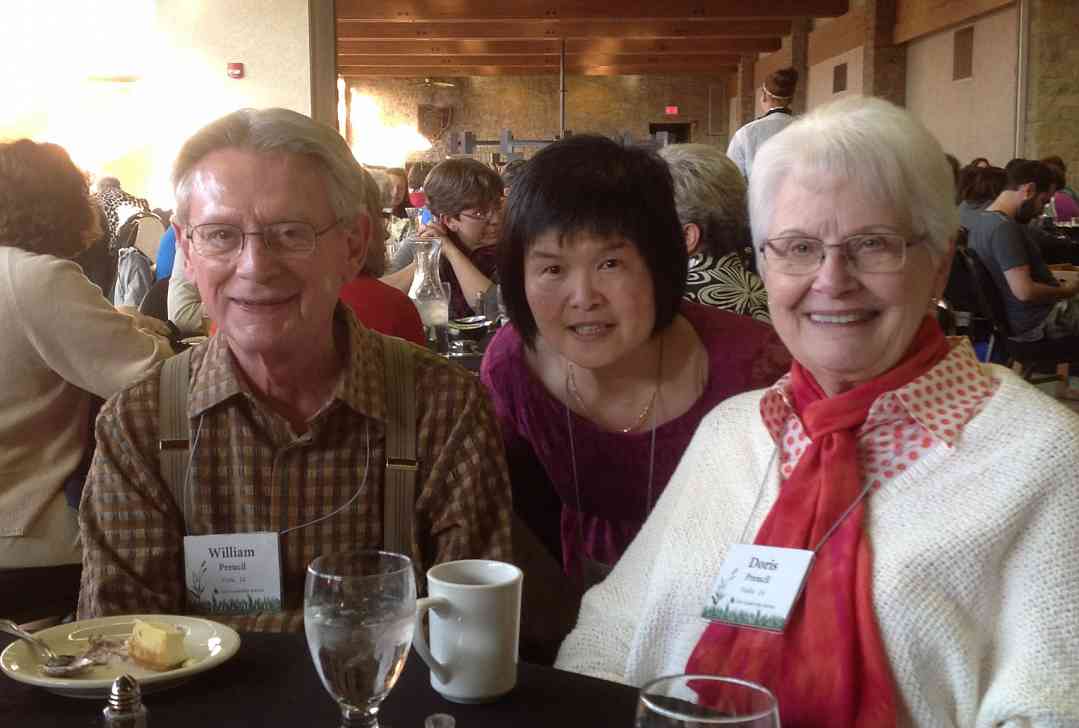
604	371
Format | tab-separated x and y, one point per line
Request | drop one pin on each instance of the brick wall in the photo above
528	105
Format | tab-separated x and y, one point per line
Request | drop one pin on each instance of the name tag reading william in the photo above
757	586
233	573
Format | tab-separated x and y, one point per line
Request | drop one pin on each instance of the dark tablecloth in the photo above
272	682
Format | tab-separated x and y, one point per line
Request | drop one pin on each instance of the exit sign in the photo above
671	111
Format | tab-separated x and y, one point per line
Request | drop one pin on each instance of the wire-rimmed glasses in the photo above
866	253
290	238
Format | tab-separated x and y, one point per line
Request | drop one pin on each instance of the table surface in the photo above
272	682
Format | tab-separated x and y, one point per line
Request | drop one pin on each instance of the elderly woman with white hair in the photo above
710	195
868	538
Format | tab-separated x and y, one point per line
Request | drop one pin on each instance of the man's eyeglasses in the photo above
488	217
218	240
869	253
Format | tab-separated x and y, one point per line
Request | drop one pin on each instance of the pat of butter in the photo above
158	645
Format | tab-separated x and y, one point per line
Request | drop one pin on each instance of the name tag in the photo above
757	586
233	573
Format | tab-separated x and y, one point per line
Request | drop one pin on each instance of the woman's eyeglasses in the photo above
869	253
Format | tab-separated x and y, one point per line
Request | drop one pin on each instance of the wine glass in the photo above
681	701
359	615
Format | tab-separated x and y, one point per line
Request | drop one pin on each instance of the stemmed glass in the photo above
359	615
681	701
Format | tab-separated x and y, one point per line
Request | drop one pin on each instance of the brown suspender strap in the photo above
174	445
399	497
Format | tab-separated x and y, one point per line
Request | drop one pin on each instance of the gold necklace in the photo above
571	386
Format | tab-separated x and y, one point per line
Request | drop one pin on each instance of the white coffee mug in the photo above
475	616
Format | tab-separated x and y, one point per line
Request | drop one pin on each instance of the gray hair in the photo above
351	189
709	191
872	144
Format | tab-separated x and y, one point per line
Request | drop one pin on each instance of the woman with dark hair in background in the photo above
605	371
64	344
774	102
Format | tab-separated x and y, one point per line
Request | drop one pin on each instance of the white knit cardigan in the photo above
975	564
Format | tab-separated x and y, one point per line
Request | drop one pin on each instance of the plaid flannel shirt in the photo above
250	472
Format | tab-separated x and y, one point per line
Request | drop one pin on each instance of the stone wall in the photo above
1052	124
528	105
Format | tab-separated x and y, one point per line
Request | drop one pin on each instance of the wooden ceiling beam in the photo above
491	30
535	61
575	46
410	11
672	69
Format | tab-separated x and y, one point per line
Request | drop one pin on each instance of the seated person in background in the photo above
288	401
166	253
398	223
417	172
710	194
378	306
110	197
184	302
510	172
978	186
1065	203
465	197
605	370
943	590
1036	303
63	345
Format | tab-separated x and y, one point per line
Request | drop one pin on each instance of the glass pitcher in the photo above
429	293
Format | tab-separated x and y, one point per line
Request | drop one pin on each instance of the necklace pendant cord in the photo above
571	388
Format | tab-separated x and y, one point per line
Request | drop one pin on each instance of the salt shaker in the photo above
125	708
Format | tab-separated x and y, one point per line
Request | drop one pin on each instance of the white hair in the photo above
350	187
872	144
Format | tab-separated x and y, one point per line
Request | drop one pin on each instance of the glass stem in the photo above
359	717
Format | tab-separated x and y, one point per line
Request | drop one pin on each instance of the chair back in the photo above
156	301
990	297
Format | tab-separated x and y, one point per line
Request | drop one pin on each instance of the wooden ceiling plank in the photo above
406	11
574	46
543	61
688	29
511	70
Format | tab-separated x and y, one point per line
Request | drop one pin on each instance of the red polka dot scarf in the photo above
829	667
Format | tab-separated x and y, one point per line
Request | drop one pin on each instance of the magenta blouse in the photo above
612	468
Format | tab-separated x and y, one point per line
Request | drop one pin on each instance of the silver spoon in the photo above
53	665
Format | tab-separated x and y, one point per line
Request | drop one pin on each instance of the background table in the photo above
272	682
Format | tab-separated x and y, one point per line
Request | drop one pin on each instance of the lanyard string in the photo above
828	534
350	501
331	514
651	452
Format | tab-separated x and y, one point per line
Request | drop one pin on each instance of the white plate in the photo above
207	643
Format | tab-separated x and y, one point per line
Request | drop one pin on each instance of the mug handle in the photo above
442	672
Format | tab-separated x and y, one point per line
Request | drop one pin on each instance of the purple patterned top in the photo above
612	468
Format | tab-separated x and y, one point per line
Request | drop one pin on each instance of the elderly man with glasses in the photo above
293	408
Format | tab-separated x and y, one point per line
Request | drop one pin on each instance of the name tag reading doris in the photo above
757	586
233	573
